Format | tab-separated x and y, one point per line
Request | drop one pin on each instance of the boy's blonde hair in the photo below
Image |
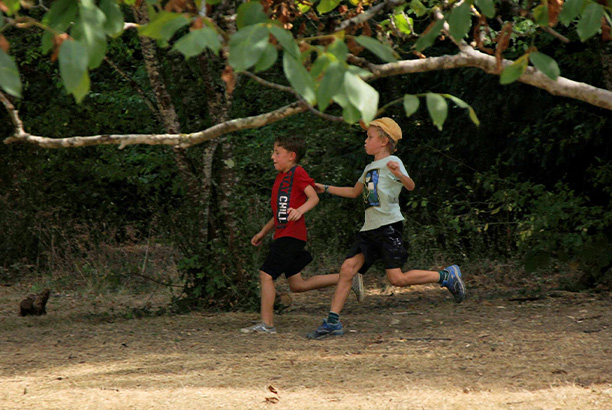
391	144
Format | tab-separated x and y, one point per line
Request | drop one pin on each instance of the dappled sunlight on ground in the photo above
404	349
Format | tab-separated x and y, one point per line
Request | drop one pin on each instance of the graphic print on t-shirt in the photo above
370	192
283	199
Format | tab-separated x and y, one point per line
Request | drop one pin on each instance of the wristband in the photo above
326	188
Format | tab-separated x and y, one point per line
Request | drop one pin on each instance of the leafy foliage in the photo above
532	182
80	31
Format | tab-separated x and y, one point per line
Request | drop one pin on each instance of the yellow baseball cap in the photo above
389	126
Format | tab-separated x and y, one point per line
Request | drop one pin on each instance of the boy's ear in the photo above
292	156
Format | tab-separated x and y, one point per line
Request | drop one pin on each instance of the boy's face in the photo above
374	143
283	160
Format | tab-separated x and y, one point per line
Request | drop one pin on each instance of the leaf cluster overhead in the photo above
329	50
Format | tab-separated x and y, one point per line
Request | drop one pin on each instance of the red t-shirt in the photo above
288	192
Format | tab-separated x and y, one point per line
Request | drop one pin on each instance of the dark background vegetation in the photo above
530	188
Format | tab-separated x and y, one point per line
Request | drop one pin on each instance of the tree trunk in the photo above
219	105
606	63
169	119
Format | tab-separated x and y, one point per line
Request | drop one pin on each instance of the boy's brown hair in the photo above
292	144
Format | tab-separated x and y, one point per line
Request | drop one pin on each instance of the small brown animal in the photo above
35	304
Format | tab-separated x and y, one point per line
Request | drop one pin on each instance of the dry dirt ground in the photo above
404	349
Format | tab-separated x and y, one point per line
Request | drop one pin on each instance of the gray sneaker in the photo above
357	287
259	328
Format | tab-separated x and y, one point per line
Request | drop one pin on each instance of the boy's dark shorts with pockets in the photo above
381	243
287	255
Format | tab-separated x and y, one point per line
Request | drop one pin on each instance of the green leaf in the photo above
339	49
325	6
403	24
299	78
438	109
196	41
351	114
462	104
319	66
361	95
330	84
571	10
590	22
114	17
82	88
303	8
61	14
250	13
361	72
267	59
247	46
285	38
90	32
429	38
411	104
12	6
418	7
487	7
460	21
381	50
9	75
545	64
163	25
513	72
540	14
73	68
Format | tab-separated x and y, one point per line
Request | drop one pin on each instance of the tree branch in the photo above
290	90
371	12
14	114
468	57
177	140
269	84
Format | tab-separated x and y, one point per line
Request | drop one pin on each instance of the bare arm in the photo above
256	240
311	202
406	180
346	192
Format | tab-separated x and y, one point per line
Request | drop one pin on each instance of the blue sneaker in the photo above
454	283
326	330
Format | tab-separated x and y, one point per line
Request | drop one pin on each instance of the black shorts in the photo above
287	255
381	243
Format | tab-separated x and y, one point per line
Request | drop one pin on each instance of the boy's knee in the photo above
265	277
394	280
297	287
348	270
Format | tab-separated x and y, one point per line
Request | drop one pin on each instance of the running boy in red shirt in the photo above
293	195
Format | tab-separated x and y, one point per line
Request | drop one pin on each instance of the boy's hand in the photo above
257	239
294	214
394	168
319	188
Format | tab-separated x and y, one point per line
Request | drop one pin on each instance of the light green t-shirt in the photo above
381	191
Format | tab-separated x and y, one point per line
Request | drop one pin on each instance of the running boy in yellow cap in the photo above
381	234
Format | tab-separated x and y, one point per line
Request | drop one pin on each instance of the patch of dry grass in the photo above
404	349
